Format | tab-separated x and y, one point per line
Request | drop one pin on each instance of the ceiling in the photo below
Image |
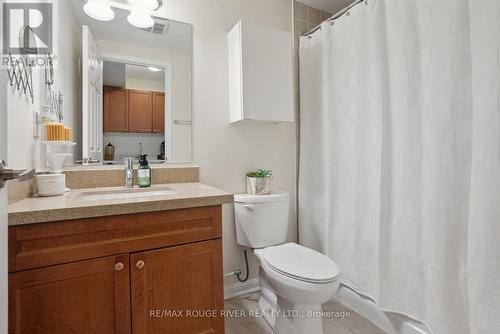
331	6
116	73
143	73
178	37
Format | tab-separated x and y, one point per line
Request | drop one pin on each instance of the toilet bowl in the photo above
294	280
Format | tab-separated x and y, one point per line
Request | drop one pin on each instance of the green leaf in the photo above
260	173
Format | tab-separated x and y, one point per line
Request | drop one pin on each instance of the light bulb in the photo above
98	11
154	69
140	20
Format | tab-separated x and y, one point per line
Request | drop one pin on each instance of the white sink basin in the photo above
125	194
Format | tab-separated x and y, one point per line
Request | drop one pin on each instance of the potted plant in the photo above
259	182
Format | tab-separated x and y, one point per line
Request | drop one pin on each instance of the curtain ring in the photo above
309	36
331	23
347	14
366	2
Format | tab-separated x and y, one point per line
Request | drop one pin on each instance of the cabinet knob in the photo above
140	264
119	266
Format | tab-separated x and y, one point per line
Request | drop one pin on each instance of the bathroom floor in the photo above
240	324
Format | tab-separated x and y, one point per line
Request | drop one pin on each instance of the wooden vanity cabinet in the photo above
136	111
186	278
82	297
158	112
155	272
140	111
115	109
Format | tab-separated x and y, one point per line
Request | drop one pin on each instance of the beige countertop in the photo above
75	204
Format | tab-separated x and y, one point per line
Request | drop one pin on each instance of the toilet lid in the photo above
301	263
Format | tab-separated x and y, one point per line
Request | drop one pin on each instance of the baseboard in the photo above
241	288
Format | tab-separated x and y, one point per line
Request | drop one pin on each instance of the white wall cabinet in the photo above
260	74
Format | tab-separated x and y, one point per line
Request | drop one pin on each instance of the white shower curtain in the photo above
400	157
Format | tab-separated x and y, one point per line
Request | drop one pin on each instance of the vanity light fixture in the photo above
98	10
139	16
154	69
140	19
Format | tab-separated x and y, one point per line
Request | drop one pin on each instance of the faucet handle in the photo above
9	174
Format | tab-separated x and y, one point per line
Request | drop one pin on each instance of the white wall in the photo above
22	147
127	144
24	150
142	84
113	74
223	151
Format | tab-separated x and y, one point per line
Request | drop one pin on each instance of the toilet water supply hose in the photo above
238	272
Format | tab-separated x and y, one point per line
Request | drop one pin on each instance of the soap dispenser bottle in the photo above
144	172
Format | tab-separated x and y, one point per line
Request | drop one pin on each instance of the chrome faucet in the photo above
129	172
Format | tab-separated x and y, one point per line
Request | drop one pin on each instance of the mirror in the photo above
136	88
140	89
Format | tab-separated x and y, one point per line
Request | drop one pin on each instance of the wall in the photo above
142	84
113	74
226	151
24	151
127	144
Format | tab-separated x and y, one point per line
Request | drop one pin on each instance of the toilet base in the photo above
295	321
285	317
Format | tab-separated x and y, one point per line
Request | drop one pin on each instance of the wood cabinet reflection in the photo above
135	111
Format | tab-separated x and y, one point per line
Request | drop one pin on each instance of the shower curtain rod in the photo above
335	16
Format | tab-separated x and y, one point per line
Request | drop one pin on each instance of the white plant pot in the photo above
259	185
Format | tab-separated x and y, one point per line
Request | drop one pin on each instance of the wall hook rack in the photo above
20	74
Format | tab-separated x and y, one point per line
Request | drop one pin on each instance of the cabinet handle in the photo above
140	264
119	266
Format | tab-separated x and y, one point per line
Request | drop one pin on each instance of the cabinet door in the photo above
116	105
170	285
159	112
140	111
82	297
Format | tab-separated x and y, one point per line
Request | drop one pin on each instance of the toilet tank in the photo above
261	220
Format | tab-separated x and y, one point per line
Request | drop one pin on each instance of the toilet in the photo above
294	280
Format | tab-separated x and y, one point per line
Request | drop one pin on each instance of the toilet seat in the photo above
301	263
